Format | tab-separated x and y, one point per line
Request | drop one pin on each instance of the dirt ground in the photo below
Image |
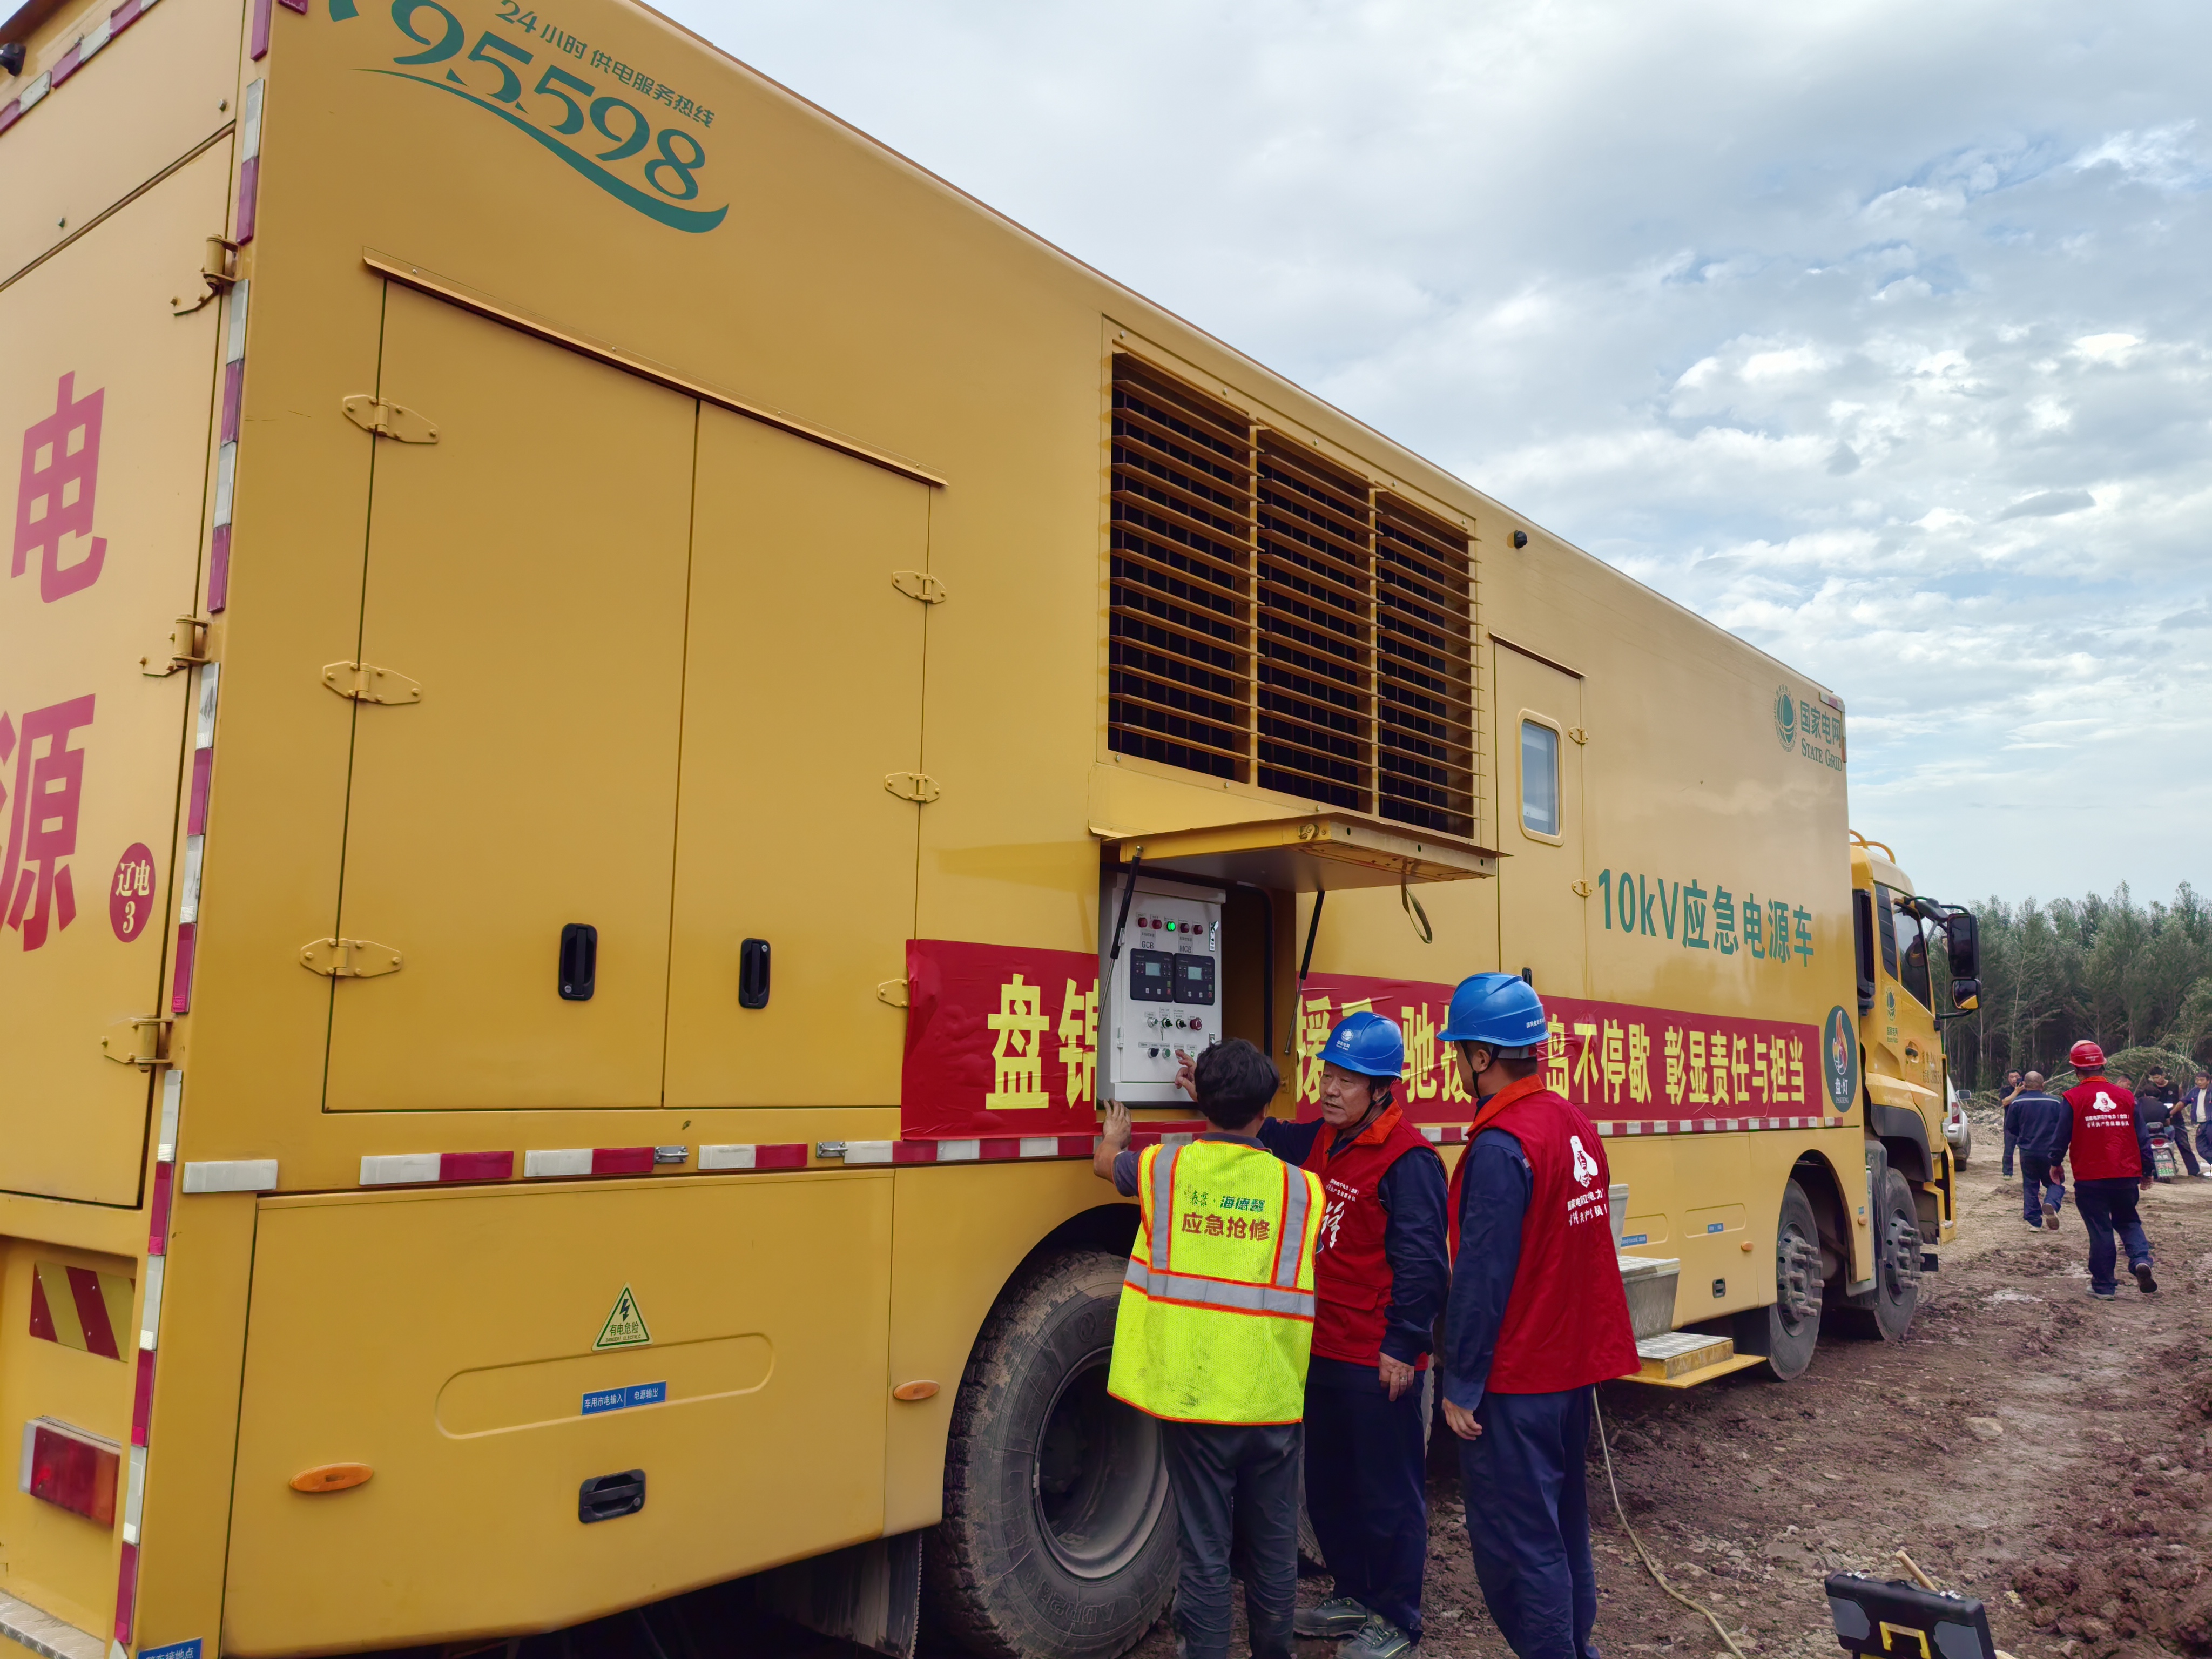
2045	1453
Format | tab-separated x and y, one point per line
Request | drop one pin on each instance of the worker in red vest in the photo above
1380	1277
1536	1317
2111	1145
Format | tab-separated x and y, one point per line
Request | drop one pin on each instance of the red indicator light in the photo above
72	1469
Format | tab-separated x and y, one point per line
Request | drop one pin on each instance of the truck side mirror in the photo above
1964	935
1863	939
1966	994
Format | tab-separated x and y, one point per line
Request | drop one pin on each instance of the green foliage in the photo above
2137	979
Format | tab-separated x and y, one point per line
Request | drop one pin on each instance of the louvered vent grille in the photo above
1276	620
1425	666
1180	675
1316	624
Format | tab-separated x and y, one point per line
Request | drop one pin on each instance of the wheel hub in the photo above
1099	1479
1900	1264
1796	1280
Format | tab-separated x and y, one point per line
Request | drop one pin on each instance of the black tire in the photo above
1059	1533
1885	1312
1788	1329
1309	1555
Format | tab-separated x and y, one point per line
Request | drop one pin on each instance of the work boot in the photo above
2050	1217
2105	1295
2144	1282
1378	1638
1338	1616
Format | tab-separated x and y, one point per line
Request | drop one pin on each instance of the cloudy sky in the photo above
1876	331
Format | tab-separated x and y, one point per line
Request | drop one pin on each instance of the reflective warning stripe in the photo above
1219	1292
1163	1163
1290	1249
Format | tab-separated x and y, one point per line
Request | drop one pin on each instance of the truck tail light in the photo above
70	1468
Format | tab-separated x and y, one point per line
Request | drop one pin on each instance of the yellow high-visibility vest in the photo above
1217	1312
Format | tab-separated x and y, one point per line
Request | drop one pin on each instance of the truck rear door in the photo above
107	402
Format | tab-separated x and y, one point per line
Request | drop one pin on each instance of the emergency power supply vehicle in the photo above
592	667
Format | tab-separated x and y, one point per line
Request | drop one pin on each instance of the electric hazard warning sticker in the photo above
625	1326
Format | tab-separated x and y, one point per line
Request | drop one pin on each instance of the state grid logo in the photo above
1785	717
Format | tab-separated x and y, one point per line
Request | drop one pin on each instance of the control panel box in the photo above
1163	997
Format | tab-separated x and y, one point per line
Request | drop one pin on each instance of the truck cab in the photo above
1900	1035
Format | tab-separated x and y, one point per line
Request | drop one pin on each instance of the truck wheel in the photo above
1059	1533
1886	1311
1788	1329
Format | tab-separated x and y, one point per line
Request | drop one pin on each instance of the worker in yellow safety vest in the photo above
1216	1323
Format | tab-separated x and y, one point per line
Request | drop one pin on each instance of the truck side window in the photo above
1884	905
1540	778
1910	946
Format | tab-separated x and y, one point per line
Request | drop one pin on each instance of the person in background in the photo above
2043	1180
2105	1131
2157	1099
1212	1338
1536	1318
2197	1116
2006	1096
2181	1134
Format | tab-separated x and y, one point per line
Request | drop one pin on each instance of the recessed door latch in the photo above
349	958
386	419
913	785
364	682
187	648
919	584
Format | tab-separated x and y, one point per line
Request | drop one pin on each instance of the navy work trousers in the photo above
2108	1206
2010	1142
2041	1185
1236	1500
1363	1459
1528	1519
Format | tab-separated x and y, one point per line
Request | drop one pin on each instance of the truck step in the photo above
1682	1359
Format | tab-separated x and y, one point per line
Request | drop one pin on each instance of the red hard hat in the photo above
2085	1053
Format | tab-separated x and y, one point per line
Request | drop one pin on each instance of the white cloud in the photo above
1895	362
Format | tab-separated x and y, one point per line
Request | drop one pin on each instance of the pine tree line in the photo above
2126	974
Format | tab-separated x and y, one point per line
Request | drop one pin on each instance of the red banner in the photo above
1003	1041
1615	1060
1000	1040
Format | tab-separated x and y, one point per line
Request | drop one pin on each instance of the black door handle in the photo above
752	973
606	1496
579	960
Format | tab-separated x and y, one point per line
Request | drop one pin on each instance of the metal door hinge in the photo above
364	682
1579	734
389	420
1582	889
141	1042
349	958
892	993
919	584
912	786
187	648
218	270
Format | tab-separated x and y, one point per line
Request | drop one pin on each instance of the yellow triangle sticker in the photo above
625	1326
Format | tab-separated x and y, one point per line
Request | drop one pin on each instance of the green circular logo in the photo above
1839	1059
1785	717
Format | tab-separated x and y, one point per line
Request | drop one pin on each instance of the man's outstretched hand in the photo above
1113	1141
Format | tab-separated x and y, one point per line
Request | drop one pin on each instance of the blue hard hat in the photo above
1367	1043
1499	1010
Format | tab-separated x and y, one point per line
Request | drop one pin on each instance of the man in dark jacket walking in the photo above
2034	1119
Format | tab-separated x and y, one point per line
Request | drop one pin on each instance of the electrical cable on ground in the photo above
1649	1566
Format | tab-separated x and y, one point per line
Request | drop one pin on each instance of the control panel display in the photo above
1166	989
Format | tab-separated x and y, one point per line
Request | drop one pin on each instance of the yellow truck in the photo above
619	712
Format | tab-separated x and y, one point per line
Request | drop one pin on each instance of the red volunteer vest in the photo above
1566	1323
2103	1145
1352	1275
